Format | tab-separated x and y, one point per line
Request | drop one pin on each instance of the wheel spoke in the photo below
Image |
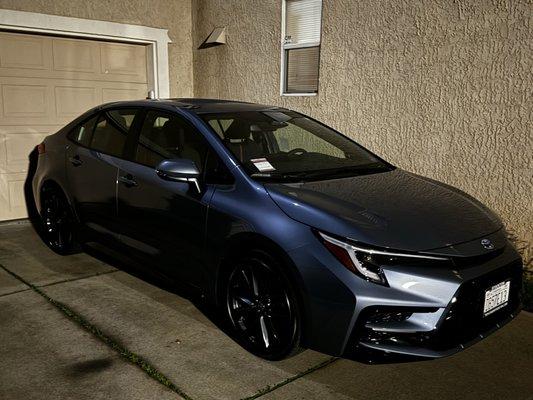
244	301
270	327
60	239
264	331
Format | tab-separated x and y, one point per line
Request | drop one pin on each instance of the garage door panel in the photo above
25	101
123	60
72	101
119	94
18	148
12	199
16	143
28	52
23	55
75	56
47	81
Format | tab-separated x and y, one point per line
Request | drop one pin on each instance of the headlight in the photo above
367	262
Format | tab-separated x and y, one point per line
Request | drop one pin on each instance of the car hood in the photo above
393	209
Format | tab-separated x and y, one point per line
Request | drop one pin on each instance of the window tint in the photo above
165	136
82	133
111	131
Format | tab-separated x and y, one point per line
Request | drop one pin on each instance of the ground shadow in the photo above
153	277
83	368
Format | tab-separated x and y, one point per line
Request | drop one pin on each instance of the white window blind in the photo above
301	46
303	20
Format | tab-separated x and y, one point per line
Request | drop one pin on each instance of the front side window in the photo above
285	145
301	27
111	131
165	136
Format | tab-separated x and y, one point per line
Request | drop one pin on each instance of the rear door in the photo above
164	220
91	164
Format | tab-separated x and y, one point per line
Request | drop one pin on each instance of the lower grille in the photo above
463	321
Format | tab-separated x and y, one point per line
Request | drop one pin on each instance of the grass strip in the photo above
269	389
129	356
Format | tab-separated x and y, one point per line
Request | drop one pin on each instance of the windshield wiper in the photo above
323	173
352	169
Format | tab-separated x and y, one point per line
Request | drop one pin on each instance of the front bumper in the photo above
402	333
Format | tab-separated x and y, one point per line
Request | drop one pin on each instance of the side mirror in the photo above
179	169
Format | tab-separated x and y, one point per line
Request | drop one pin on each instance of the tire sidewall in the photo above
272	263
73	246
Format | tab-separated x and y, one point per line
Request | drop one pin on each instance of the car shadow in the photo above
151	276
31	207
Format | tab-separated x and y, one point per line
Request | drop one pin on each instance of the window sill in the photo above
298	94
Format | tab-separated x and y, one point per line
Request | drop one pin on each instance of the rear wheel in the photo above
262	308
58	224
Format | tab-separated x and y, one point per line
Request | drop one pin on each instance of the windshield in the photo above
285	145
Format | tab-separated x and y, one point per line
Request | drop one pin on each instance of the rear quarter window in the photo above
111	131
82	133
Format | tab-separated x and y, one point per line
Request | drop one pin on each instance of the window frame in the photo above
290	46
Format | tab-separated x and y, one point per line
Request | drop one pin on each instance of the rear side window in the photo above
111	131
82	133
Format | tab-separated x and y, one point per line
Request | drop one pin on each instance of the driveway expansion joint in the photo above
14	292
126	354
78	278
269	389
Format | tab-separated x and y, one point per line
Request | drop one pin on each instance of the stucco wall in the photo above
440	88
174	15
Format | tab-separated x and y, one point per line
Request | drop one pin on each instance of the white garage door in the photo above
46	82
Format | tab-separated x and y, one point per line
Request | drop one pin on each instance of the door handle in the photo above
75	160
128	180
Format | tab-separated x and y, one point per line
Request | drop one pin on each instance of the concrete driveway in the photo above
77	327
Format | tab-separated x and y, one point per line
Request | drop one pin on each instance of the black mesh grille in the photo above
464	320
467	262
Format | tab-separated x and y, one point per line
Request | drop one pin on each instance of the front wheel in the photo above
57	222
262	308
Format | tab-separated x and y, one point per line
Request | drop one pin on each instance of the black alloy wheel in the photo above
57	222
262	308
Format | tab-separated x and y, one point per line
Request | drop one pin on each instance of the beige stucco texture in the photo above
440	88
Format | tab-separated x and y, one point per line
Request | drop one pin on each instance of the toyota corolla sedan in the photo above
298	235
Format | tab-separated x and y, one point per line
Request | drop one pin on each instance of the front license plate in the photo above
496	297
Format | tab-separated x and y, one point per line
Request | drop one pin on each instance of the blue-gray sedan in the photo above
298	235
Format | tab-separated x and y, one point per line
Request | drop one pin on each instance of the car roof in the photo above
196	105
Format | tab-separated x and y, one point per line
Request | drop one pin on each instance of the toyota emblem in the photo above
487	244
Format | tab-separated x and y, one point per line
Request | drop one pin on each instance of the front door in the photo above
92	155
162	220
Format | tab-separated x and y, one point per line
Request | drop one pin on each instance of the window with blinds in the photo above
301	46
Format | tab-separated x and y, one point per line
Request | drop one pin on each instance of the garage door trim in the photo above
156	39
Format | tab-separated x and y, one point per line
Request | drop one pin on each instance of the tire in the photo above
261	307
58	222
